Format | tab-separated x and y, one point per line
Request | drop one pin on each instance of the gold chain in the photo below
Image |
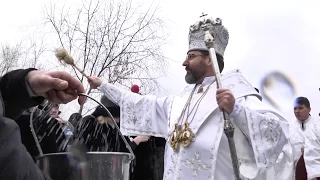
185	135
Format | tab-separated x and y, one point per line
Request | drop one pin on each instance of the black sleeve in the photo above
133	145
15	94
15	161
123	147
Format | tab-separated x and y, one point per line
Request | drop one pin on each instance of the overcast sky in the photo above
265	36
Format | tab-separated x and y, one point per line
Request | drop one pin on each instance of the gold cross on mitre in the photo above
203	15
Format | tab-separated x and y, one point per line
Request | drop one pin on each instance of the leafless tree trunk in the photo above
9	57
115	40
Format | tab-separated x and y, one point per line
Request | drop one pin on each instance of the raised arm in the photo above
15	94
140	115
20	90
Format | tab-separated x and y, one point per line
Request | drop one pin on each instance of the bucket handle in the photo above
114	121
116	125
34	133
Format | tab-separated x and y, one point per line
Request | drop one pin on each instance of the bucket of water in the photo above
97	166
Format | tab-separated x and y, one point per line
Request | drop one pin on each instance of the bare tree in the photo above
21	55
32	52
9	57
112	39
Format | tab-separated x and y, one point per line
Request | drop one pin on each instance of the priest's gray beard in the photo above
190	78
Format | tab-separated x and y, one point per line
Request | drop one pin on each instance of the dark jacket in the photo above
100	137
50	134
149	162
15	162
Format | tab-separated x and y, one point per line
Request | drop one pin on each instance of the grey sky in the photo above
264	36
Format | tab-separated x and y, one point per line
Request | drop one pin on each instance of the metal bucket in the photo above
99	166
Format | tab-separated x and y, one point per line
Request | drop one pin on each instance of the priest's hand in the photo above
225	100
94	82
140	139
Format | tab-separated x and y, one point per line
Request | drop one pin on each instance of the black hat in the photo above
107	102
112	107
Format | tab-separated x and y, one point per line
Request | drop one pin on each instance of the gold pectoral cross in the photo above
187	136
175	137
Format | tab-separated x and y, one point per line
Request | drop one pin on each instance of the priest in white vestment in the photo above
300	125
302	138
197	148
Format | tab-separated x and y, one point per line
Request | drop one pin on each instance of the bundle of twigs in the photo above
65	58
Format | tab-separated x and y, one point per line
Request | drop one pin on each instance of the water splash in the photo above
87	132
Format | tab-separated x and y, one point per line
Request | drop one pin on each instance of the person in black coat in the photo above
48	130
97	130
21	90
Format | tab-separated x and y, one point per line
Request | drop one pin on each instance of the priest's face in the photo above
301	112
195	66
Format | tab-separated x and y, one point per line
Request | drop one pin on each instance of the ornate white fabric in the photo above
306	139
260	132
216	29
284	168
312	150
297	136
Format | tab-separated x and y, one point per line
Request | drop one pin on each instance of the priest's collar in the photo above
305	121
207	80
303	124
